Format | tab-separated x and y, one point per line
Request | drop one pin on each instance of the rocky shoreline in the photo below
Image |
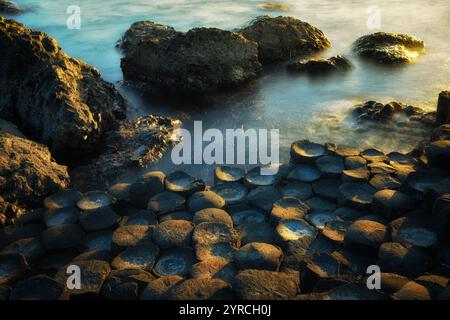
308	232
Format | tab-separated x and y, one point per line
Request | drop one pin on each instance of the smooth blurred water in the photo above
298	106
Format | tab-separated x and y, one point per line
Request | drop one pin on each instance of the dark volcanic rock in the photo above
322	66
176	261
99	219
260	256
166	202
391	204
213	215
9	7
214	268
173	233
142	256
288	208
158	289
31	248
62	236
203	200
202	59
411	262
389	48
438	153
304	151
130	236
359	195
264	197
28	172
126	284
266	285
284	38
149	185
201	289
40	287
12	267
60	101
93	275
366	234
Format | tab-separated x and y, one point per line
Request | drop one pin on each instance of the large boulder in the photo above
58	100
202	59
28	173
284	38
9	7
389	48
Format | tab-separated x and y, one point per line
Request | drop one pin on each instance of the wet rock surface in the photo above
58	100
284	38
320	67
200	60
389	48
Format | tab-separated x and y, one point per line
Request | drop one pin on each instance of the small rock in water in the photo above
181	182
232	193
203	200
305	151
93	275
62	236
299	190
320	66
294	229
260	256
213	215
359	195
346	151
142	256
288	208
389	48
304	173
284	38
94	200
40	287
228	174
99	219
62	199
264	197
12	267
166	202
67	215
176	261
173	233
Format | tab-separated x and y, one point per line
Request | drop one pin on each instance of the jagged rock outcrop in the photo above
200	60
389	48
284	38
28	172
53	98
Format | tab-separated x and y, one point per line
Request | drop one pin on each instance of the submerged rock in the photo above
284	38
321	66
389	48
202	59
61	101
